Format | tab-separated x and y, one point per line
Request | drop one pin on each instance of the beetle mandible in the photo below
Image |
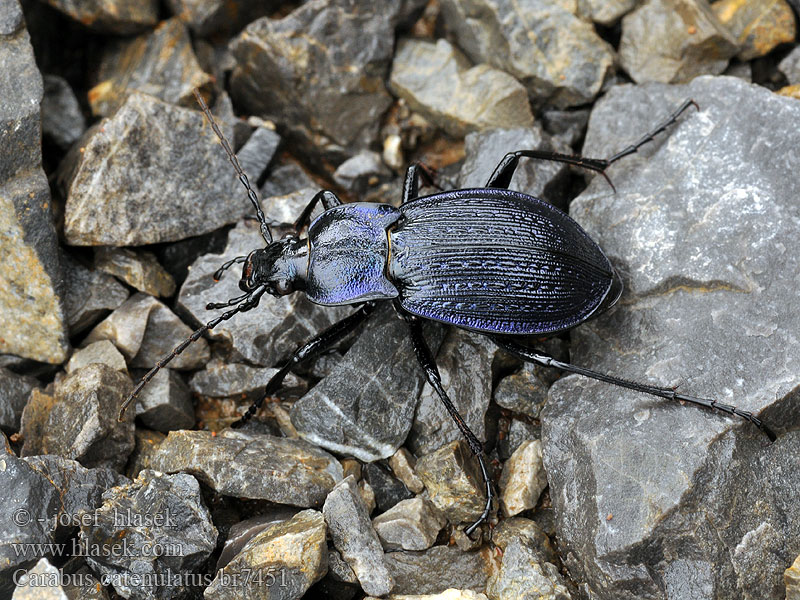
535	271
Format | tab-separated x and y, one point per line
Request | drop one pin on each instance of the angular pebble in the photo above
97	352
523	577
465	365
280	563
145	330
258	150
267	334
43	581
31	295
14	393
791	579
523	392
119	17
402	463
165	403
138	269
157	531
758	25
160	63
412	524
387	489
439	83
89	295
519	528
244	465
674	41
80	420
221	380
62	119
356	540
790	66
436	569
608	12
453	480
242	532
364	408
563	69
219	16
135	183
628	472
326	87
523	478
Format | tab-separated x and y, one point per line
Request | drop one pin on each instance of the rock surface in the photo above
701	226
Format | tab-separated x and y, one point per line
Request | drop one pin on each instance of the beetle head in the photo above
277	267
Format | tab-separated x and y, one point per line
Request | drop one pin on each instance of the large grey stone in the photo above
653	499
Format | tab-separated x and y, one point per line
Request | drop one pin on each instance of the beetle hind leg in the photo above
428	364
529	355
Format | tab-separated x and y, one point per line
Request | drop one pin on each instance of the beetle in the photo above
491	260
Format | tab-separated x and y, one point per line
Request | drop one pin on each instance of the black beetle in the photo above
490	260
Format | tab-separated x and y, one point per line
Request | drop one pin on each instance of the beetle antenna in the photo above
250	302
265	232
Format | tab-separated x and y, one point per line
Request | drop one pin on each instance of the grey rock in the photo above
85	586
220	16
437	569
245	465
11	18
439	83
284	209
453	481
790	66
367	495
145	330
387	489
110	16
80	490
31	296
355	173
262	336
719	288
97	352
608	12
523	392
89	295
285	178
465	364
519	528
325	87
14	392
165	404
567	126
154	512
40	582
138	269
485	150
258	151
280	563
412	524
352	533
152	172
29	507
220	380
518	432
674	41
80	420
402	463
523	479
146	448
242	532
758	26
62	119
364	407
522	577
339	569
565	68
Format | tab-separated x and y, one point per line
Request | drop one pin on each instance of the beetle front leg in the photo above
428	364
414	174
314	347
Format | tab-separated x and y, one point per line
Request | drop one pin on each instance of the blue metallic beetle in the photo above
490	260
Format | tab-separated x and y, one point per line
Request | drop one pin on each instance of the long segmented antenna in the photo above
265	232
250	302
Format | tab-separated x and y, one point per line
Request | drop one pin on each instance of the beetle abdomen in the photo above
496	260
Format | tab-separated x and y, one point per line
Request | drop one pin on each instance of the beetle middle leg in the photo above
529	355
504	171
428	364
314	347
